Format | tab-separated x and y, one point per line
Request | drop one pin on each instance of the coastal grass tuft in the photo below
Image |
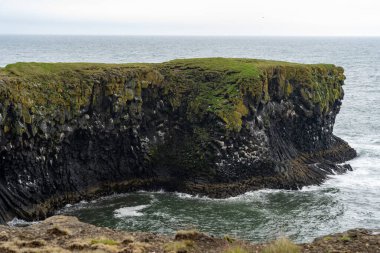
138	247
236	249
191	234
229	239
78	245
58	231
31	244
282	245
345	238
179	246
104	241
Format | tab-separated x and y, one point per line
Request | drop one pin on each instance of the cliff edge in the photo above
64	234
212	126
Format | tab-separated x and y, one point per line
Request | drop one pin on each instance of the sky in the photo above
192	17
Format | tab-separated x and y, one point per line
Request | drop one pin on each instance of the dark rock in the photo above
202	126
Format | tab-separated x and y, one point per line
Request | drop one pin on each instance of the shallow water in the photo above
345	201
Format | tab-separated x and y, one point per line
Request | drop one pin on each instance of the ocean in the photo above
342	202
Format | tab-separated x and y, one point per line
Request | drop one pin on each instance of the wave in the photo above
20	223
129	211
161	191
251	195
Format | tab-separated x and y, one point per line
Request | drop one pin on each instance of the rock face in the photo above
213	126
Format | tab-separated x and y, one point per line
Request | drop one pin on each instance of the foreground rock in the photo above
67	234
217	127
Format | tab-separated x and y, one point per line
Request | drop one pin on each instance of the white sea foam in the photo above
129	211
258	195
185	195
161	191
20	223
163	215
182	195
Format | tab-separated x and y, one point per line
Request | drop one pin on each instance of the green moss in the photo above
235	68
345	238
202	87
51	71
221	85
6	129
288	90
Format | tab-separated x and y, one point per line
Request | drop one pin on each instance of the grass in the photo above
58	231
104	241
45	71
236	249
37	243
179	246
345	238
138	247
238	68
229	239
282	245
191	234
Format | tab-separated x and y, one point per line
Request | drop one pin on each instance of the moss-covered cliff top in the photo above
244	67
206	85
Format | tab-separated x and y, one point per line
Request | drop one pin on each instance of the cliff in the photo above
213	126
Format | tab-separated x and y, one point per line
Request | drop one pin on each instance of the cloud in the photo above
202	17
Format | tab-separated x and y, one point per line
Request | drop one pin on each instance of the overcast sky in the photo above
191	17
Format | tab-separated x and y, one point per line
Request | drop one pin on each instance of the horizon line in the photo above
189	35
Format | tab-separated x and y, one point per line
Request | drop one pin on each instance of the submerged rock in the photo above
217	127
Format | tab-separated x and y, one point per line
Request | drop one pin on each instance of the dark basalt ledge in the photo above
216	127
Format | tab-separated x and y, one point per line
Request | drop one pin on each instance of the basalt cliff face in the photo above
213	126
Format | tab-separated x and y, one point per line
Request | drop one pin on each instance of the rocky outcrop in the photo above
214	126
66	234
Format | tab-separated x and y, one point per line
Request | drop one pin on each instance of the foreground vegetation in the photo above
67	234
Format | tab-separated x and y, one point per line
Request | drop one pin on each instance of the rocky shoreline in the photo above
67	234
215	126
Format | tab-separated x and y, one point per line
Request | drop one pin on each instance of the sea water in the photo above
342	202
